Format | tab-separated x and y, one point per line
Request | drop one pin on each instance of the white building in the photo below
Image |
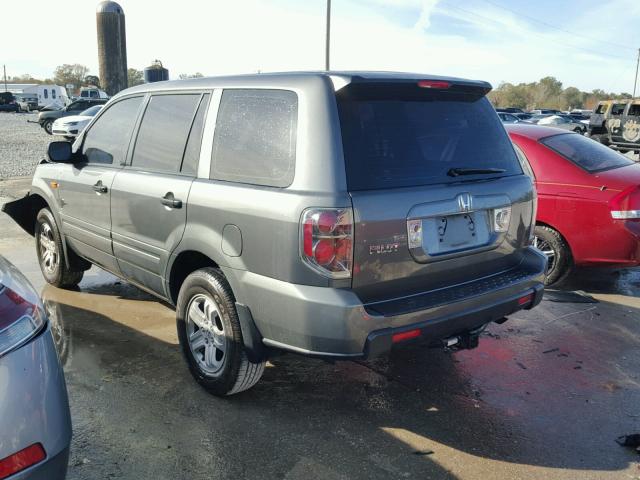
47	94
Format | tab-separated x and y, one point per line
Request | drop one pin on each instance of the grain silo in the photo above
112	47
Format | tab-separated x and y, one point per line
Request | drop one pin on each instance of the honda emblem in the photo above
465	202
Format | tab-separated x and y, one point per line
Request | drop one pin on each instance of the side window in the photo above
53	93
255	137
46	93
192	152
601	108
618	109
164	130
634	110
107	140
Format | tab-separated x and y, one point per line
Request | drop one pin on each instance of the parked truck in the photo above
616	123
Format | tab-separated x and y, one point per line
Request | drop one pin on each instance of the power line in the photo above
588	50
542	22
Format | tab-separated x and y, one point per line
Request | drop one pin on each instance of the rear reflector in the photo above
525	300
434	84
402	336
22	460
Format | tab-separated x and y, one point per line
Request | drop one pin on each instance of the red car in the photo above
588	199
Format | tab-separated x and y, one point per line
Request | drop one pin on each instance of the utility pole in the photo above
635	83
4	68
328	44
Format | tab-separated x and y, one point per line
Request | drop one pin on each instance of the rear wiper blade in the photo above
456	172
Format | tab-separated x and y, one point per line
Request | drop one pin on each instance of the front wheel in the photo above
551	243
210	335
51	256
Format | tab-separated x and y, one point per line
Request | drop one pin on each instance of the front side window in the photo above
584	152
163	133
634	110
601	108
107	141
255	137
618	109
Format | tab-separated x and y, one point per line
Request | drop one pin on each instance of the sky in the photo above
588	44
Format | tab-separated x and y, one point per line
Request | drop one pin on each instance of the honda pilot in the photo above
334	215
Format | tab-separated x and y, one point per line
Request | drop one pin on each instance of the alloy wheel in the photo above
545	248
49	255
206	334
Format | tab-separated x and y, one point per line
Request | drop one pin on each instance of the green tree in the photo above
73	74
134	77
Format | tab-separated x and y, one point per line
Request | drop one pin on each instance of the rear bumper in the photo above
328	322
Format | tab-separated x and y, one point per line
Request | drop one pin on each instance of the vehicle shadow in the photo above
423	413
604	280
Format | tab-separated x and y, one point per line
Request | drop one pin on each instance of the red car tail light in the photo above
21	460
327	240
626	204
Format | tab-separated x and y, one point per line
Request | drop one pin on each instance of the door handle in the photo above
169	201
98	187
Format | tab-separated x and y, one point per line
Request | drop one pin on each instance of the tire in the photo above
48	126
216	358
551	243
51	256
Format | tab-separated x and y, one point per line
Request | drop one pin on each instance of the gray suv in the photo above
334	215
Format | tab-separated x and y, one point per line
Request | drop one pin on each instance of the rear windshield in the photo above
584	152
402	137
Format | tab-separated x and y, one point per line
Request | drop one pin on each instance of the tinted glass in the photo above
107	140
46	93
77	106
255	137
192	152
53	93
584	152
601	108
634	110
618	109
400	138
163	133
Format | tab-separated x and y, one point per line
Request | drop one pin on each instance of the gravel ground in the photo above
22	144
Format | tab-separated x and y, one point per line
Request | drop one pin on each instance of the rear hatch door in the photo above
429	170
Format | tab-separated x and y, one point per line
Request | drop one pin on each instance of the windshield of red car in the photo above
586	153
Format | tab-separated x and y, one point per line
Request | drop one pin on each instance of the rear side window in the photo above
107	140
401	137
164	130
255	137
584	152
634	110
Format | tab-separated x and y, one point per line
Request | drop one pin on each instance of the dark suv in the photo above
334	215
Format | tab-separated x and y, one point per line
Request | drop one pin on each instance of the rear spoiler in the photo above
452	85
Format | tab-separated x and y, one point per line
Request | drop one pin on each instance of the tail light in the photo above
327	240
437	84
20	320
626	204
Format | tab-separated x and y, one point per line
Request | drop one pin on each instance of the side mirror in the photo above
60	152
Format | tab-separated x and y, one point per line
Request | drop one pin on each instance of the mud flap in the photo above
21	211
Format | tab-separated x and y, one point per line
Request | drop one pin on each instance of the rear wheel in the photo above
51	256
210	335
551	243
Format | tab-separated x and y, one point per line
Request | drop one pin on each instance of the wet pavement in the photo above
544	396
